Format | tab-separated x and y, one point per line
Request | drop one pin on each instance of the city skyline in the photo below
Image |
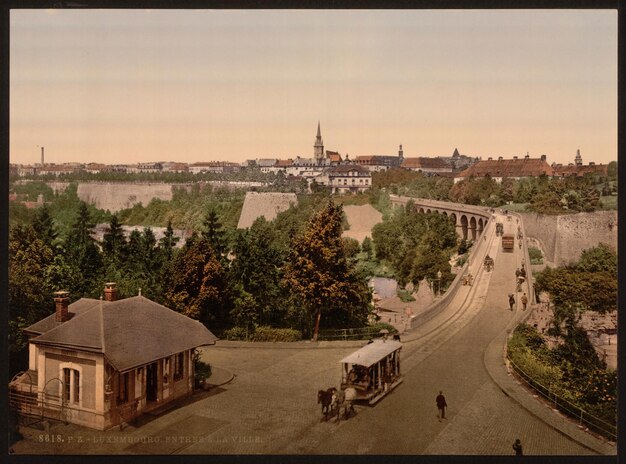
126	86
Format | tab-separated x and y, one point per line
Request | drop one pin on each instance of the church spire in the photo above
318	148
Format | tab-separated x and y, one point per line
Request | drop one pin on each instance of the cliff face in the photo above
115	196
563	238
267	205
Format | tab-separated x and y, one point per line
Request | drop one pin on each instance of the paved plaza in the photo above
269	406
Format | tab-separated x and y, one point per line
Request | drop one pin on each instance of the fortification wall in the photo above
564	237
116	196
267	205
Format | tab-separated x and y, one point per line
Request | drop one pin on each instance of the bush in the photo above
271	334
236	333
376	328
202	370
405	296
536	257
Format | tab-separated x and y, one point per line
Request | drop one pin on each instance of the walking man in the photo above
511	301
524	301
441	406
517	446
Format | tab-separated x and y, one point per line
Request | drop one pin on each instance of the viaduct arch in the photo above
470	221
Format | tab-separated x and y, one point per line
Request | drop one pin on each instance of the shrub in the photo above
405	296
271	334
536	257
236	333
202	370
376	328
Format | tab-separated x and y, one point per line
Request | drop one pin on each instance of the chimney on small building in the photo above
110	291
543	157
61	302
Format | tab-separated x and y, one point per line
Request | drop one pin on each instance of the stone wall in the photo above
116	196
267	205
564	237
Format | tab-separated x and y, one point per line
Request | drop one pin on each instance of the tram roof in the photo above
372	353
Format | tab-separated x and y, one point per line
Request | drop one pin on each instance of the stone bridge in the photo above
470	221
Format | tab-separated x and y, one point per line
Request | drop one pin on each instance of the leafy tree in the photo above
197	287
351	247
612	170
30	294
366	246
256	270
320	276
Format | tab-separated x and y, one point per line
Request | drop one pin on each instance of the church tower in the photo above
318	148
578	160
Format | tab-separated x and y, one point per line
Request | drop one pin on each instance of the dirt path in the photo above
361	219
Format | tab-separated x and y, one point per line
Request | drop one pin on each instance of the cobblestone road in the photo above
270	406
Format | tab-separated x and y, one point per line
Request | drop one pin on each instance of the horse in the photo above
343	399
325	397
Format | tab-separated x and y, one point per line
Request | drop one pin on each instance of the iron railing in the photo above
575	411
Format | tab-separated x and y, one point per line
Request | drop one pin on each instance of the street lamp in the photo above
439	282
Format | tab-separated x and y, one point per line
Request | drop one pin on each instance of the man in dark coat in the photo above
441	406
511	301
517	446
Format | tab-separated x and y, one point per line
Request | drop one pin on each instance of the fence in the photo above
591	422
361	333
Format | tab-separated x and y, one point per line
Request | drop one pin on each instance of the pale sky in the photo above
122	86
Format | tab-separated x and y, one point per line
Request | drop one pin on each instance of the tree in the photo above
351	247
197	286
320	276
256	270
366	246
83	254
213	232
114	243
43	224
30	294
168	242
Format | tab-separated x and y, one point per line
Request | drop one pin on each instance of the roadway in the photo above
270	406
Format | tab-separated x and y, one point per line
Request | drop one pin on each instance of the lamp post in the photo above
439	282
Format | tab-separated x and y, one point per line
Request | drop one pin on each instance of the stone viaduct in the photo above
470	221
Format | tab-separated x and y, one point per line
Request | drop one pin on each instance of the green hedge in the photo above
263	334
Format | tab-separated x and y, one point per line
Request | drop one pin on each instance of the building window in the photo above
122	393
179	366
71	385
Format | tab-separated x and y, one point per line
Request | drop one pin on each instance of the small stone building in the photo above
100	363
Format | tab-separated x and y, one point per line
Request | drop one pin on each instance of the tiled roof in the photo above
523	167
424	163
345	168
573	170
284	163
129	332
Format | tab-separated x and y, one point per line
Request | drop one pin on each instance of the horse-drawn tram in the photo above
373	371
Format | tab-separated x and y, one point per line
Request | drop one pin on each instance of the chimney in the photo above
110	291
61	301
527	156
592	163
515	157
499	158
42	156
489	159
543	157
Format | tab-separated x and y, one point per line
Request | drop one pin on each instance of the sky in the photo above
124	86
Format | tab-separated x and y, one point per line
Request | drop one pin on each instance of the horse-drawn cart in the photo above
488	263
373	371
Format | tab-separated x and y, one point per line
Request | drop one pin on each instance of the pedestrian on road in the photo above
524	301
511	301
517	446
517	273
441	406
